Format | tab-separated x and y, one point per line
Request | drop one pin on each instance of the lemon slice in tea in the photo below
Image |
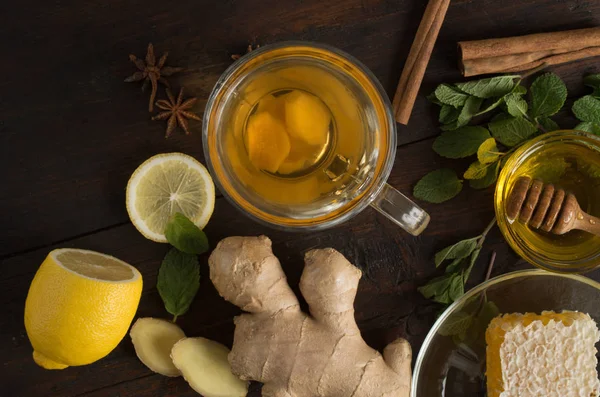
165	184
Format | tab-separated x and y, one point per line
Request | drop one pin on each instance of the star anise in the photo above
176	112
250	48
151	72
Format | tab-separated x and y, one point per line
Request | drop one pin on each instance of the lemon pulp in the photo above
166	184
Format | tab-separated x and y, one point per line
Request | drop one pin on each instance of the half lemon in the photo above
79	307
165	184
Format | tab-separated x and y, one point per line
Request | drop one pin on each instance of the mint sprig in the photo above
513	120
179	273
463	256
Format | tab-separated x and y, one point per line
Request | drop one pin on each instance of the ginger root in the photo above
292	353
153	340
204	366
268	142
306	118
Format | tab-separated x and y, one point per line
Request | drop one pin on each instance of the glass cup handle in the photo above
401	210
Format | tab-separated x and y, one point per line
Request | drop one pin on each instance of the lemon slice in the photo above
79	307
166	184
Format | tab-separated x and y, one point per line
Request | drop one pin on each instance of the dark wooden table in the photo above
71	133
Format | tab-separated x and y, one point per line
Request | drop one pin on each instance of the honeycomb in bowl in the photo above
552	354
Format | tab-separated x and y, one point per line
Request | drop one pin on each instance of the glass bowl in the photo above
451	364
567	159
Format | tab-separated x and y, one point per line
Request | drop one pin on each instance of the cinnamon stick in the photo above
513	54
418	58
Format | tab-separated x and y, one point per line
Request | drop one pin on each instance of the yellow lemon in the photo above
165	184
79	306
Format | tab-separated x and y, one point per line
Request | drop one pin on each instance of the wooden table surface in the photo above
72	132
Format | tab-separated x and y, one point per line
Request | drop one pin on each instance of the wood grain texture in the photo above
71	133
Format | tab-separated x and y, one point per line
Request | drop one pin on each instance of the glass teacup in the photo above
327	176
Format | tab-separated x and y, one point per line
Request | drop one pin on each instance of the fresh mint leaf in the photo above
448	114
433	99
488	151
500	116
481	320
548	124
590	127
490	87
456	324
184	235
516	105
460	250
450	126
490	177
454	265
472	261
449	95
488	312
512	131
491	106
444	289
593	80
476	170
470	109
462	142
178	281
587	108
548	95
519	90
438	186
457	287
437	287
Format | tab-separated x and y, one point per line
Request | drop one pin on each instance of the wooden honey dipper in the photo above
548	208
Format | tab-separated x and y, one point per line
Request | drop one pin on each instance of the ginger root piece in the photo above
275	105
153	340
292	353
268	142
306	118
301	155
204	366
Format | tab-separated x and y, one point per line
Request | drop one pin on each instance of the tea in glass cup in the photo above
301	135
